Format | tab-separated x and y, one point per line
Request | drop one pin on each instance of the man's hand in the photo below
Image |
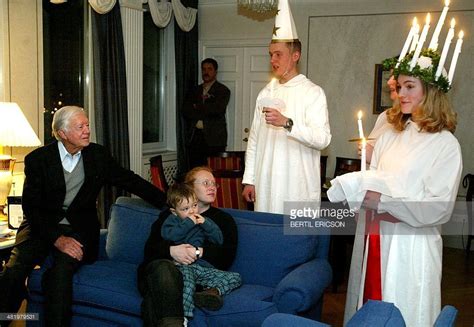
184	254
274	117
371	200
70	246
249	193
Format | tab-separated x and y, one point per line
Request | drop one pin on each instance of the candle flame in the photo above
415	22
359	114
453	23
446	3
461	34
428	18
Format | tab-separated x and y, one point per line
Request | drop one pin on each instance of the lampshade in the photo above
14	131
14	127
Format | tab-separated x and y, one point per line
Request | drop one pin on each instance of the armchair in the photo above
373	313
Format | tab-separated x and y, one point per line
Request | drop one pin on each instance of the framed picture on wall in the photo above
381	91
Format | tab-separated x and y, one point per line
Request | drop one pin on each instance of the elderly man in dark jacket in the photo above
60	192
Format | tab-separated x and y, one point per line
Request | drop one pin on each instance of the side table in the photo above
6	245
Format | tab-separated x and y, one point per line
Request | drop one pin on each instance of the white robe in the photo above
380	126
428	167
284	166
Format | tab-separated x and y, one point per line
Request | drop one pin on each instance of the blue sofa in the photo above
280	273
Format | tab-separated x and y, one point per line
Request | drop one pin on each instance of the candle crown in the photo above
425	65
425	69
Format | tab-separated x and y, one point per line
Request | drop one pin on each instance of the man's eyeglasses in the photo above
208	184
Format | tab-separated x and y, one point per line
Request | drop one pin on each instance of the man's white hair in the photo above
62	117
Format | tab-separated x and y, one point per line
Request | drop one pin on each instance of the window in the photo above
64	58
153	84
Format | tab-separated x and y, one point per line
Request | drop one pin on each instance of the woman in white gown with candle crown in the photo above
420	161
423	154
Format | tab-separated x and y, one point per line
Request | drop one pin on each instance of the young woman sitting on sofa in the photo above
159	280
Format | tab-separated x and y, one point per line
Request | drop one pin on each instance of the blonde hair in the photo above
433	115
179	192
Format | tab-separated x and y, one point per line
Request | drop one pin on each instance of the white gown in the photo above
380	126
284	166
428	169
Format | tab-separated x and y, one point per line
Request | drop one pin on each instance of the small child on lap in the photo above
186	226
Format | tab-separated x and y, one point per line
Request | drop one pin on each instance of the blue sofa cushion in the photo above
239	310
123	243
266	249
110	285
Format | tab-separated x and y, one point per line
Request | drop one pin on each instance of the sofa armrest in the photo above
102	242
447	317
285	320
303	287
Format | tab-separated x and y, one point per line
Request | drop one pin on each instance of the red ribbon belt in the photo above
373	275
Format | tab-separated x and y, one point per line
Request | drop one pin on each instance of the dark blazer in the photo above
210	110
45	189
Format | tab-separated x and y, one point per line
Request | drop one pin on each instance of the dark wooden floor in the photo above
457	289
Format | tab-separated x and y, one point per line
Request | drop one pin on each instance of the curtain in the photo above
110	96
162	10
187	67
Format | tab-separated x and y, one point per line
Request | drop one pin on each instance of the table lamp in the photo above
14	131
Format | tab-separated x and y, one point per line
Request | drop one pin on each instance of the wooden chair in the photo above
346	165
228	170
157	173
228	161
468	181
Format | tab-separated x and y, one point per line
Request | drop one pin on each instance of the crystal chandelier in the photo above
260	6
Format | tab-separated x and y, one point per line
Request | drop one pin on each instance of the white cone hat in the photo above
284	29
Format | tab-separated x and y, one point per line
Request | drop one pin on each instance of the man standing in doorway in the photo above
205	113
289	128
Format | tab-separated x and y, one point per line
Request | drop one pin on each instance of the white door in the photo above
245	70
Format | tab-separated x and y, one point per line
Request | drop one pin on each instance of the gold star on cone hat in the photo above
284	29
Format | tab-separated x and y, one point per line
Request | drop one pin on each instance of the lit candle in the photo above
359	124
363	156
419	46
407	42
434	40
444	54
416	36
457	51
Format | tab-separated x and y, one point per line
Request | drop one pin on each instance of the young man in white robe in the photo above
289	128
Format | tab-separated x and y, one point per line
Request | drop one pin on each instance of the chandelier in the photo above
260	6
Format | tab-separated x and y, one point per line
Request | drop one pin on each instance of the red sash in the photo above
373	274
